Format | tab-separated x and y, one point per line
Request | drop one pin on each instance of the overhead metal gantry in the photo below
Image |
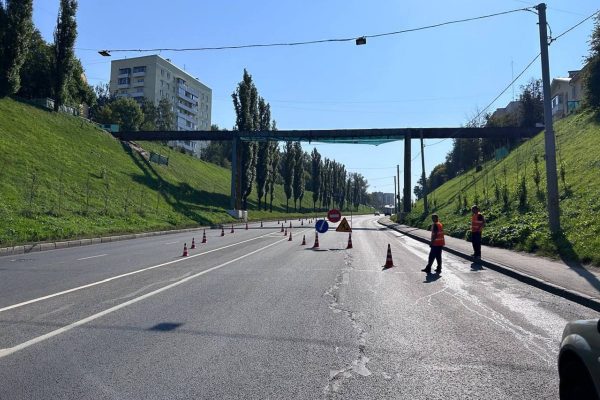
347	136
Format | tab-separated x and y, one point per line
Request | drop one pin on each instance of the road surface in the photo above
252	315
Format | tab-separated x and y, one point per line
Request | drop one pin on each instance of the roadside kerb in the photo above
569	294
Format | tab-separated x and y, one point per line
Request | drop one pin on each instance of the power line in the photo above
573	27
319	41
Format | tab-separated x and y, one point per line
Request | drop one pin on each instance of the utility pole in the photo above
407	176
549	139
395	199
423	177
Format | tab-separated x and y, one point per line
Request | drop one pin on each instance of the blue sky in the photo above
432	78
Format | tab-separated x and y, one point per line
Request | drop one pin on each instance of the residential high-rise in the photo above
155	78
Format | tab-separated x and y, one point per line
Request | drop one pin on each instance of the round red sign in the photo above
334	215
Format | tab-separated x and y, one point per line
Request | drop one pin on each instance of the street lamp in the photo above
361	40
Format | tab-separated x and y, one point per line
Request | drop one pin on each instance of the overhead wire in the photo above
320	41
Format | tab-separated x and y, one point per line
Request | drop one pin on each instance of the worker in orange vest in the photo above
477	224
437	244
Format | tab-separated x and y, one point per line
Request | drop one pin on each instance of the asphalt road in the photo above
252	315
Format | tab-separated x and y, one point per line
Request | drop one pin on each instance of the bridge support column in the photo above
407	185
235	172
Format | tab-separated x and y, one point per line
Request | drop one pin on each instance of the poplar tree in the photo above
264	151
298	174
16	27
273	170
287	172
245	102
64	42
316	176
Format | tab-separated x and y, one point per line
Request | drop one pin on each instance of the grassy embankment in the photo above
61	177
517	218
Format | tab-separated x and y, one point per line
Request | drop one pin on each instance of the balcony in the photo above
139	73
188	89
187	117
124	75
122	85
184	106
137	84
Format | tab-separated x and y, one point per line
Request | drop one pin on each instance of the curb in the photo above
45	246
569	294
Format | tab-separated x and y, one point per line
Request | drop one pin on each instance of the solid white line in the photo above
24	345
87	258
171	242
123	275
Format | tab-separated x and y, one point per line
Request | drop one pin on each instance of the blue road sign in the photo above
321	226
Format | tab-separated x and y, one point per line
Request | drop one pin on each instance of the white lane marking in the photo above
24	345
123	275
87	258
171	242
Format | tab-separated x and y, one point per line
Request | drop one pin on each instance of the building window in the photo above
162	72
168	75
139	69
124	81
124	71
141	80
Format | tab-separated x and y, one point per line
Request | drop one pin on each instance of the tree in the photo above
123	111
264	151
165	117
36	72
150	115
16	27
316	176
64	40
245	102
531	111
591	80
287	172
273	170
298	175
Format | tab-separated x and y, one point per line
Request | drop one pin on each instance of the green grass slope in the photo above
522	224
61	177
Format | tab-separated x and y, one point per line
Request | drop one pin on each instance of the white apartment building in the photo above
156	78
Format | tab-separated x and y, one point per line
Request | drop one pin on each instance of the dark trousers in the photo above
476	240
435	254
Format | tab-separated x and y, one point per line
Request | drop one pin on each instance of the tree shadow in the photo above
570	257
182	197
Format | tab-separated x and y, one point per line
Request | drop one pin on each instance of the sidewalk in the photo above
567	279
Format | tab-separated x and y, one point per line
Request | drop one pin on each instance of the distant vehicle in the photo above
579	360
388	210
377	213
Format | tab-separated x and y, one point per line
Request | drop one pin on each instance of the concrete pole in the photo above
395	202
397	197
423	177
550	145
407	184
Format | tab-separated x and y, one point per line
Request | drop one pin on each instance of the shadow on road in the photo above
431	278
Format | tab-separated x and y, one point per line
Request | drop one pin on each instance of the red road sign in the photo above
334	215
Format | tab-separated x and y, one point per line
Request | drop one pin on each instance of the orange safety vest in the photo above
476	224
438	240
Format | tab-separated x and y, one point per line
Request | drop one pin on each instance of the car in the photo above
377	213
579	360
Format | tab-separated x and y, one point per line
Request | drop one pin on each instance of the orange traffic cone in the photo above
246	226
204	236
231	229
389	263
281	227
302	223
316	245
349	241
222	231
185	251
290	239
303	240
285	233
290	224
261	225
193	246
